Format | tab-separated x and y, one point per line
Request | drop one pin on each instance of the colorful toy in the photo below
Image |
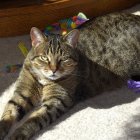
12	68
134	85
65	25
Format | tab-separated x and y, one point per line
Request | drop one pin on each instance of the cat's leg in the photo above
53	106
21	103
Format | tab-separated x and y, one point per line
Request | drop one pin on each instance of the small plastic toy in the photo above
134	85
65	25
12	68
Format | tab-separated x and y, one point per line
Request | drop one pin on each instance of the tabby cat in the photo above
59	70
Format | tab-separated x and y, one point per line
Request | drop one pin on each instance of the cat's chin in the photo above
56	78
46	80
53	78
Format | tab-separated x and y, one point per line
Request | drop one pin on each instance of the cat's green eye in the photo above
43	58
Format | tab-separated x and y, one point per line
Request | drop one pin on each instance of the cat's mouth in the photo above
55	77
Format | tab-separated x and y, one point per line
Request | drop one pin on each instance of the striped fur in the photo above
59	69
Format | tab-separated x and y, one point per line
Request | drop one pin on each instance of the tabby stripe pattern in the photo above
20	109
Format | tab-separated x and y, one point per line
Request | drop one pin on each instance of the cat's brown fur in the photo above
58	69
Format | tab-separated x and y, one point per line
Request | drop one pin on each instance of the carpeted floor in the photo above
110	116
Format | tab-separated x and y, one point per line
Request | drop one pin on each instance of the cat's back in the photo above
113	41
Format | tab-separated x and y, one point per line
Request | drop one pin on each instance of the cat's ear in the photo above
37	36
72	37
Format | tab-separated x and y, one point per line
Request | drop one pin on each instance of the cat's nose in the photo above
53	69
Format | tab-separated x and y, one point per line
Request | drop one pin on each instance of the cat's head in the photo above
53	57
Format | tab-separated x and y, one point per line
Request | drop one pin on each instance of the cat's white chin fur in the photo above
53	77
50	75
43	76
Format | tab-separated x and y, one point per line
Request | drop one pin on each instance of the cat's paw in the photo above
4	128
18	135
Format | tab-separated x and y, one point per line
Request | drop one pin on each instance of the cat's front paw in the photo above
4	128
19	135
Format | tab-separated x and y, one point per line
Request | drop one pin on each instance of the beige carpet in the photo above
110	116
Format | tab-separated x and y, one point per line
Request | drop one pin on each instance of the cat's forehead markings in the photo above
54	44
